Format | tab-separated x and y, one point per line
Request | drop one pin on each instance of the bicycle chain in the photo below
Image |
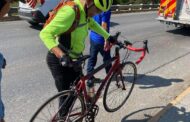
92	113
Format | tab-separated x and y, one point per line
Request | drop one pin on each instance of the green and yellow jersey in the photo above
63	21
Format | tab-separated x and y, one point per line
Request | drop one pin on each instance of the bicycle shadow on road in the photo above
141	112
150	81
180	31
172	114
176	114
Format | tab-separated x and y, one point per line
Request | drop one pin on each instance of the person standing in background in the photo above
97	42
4	9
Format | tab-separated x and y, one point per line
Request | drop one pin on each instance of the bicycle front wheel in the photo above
119	87
62	107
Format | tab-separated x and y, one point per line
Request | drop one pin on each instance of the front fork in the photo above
119	72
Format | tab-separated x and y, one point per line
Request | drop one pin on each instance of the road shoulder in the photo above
179	103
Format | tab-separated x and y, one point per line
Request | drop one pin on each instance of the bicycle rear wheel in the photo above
62	107
119	87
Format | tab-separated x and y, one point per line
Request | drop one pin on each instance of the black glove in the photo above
112	39
65	60
4	63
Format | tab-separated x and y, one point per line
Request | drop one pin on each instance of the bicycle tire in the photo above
129	77
43	113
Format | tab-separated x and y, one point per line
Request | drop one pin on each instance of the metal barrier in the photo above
134	7
114	8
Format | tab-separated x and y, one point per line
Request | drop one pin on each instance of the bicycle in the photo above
76	104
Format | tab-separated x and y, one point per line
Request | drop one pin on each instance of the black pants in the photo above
63	76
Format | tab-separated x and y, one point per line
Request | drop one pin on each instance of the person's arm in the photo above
105	23
60	24
94	26
4	9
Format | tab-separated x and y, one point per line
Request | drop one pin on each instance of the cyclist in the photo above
57	60
54	37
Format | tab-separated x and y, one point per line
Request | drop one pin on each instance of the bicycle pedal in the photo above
89	119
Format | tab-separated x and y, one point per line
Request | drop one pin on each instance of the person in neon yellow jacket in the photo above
54	37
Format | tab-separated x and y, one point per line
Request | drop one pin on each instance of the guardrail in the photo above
114	8
134	8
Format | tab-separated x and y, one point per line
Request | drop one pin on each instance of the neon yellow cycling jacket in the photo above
63	21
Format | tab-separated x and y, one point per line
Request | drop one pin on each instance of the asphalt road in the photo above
164	73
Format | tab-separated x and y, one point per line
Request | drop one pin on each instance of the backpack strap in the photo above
65	38
76	21
61	4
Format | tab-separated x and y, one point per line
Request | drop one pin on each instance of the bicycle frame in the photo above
81	85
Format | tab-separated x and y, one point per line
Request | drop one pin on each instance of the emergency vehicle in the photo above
36	15
175	12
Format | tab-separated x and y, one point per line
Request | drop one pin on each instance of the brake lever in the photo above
127	43
117	34
120	44
146	45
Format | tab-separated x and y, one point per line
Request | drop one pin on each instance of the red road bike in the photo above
76	103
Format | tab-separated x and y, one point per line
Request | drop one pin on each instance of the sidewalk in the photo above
177	110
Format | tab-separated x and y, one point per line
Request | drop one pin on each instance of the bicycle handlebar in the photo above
124	45
129	46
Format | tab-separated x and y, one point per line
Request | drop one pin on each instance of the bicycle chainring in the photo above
92	113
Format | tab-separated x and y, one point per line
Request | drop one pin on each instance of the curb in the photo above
161	113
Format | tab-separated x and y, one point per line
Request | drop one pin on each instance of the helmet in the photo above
103	5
